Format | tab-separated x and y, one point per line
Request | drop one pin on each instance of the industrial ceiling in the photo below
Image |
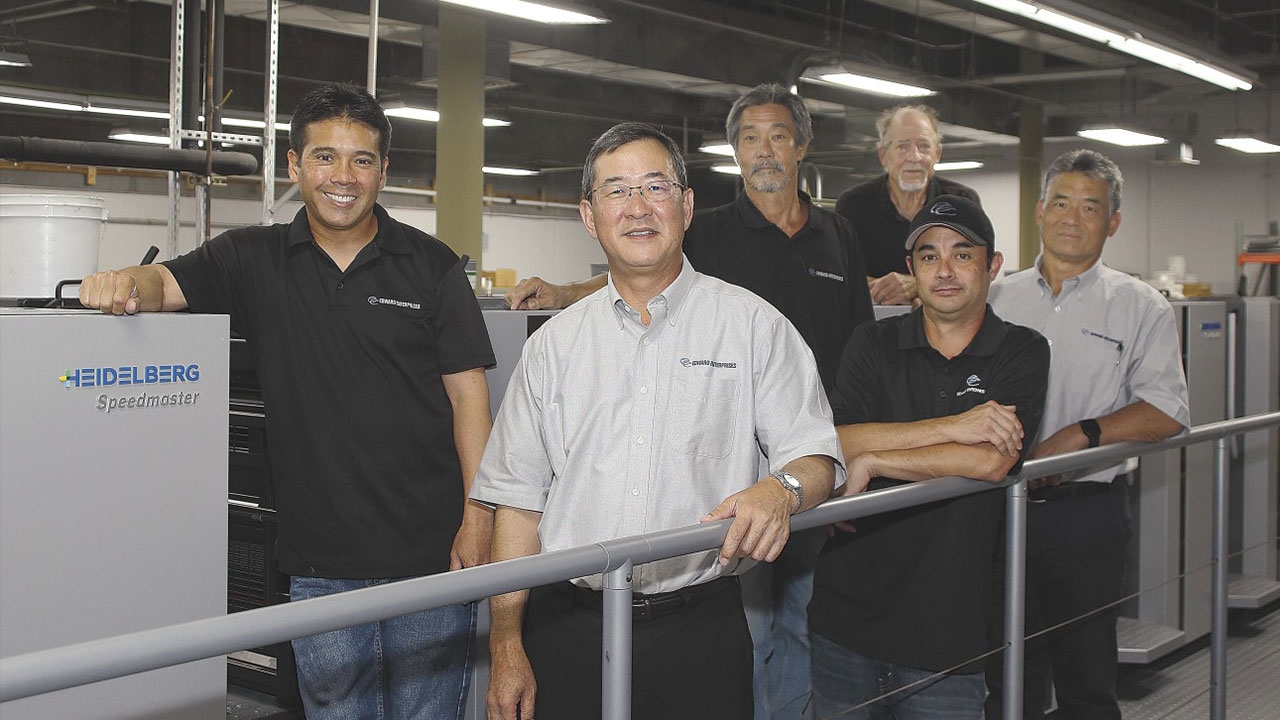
674	63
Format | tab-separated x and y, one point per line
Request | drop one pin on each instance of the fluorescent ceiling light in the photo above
257	124
411	113
14	59
1121	136
727	169
1013	6
513	172
954	134
1125	42
958	165
127	112
397	108
724	149
1077	27
45	104
1217	77
873	85
531	11
127	135
1248	145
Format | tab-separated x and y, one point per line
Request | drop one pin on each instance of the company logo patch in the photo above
971	386
375	301
827	275
942	207
129	375
686	362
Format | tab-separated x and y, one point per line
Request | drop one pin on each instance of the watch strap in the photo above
789	481
1092	431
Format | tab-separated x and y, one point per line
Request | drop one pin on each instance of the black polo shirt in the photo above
882	231
913	587
815	278
359	428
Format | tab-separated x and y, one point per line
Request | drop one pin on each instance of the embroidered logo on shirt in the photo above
972	382
709	363
375	301
827	275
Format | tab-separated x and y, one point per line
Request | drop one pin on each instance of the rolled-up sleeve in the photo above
1155	375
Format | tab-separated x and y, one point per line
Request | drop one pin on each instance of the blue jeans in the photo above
414	667
776	599
843	679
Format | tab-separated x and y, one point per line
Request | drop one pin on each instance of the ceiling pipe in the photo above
81	152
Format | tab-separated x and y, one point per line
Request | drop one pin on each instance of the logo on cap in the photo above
944	208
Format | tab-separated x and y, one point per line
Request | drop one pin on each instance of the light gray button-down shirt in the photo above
610	428
1112	342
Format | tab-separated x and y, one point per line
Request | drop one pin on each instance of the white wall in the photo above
999	193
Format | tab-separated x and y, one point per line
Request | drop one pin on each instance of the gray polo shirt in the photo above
1112	342
610	428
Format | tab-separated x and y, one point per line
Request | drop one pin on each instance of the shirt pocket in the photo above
704	415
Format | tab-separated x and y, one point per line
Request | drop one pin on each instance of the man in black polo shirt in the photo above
949	389
371	353
806	262
881	209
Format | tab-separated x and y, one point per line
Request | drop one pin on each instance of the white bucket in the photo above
45	239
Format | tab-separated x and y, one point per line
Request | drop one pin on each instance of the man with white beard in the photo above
881	209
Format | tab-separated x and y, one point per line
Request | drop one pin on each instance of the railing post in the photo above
1015	597
616	655
1218	631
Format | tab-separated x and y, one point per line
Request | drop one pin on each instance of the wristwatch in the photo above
790	482
1092	431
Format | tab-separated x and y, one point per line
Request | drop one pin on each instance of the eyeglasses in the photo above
653	191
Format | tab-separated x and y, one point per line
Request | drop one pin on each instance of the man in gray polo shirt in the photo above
1115	376
646	406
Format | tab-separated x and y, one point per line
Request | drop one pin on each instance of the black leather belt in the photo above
653	606
1066	491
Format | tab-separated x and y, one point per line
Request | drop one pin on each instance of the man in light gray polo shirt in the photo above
646	406
1115	375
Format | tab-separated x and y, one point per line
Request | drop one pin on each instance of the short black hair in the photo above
621	134
338	101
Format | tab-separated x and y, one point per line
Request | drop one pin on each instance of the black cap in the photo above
960	214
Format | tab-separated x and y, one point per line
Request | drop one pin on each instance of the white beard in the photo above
905	186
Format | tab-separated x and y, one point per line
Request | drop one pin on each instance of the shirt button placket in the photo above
642	414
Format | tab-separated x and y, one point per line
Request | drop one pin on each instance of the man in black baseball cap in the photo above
900	608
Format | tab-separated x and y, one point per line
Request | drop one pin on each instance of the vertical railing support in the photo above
1015	597
1218	631
616	655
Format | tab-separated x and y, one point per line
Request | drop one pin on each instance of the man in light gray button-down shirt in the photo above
1115	376
643	407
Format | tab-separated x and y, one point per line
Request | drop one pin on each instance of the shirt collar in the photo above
665	306
1079	282
984	344
753	218
390	238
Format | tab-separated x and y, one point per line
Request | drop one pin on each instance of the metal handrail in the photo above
80	664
